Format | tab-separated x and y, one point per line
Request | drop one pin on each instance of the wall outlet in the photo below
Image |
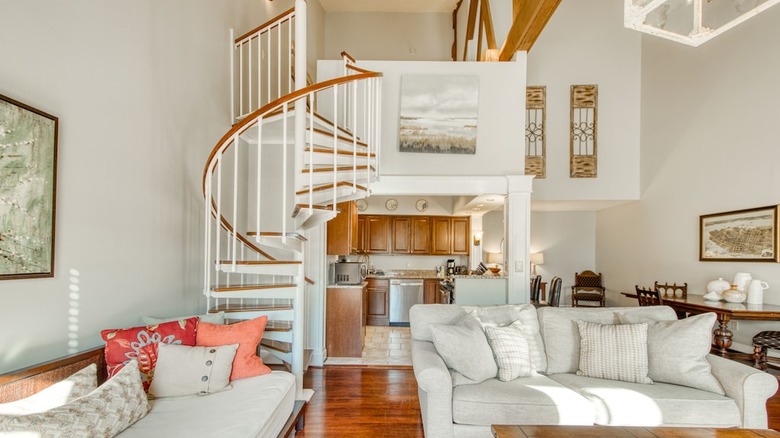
519	265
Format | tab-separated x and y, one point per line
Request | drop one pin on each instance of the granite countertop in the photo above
347	286
404	273
482	277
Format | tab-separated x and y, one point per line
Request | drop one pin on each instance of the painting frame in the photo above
29	141
721	233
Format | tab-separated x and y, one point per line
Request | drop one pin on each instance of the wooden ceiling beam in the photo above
470	25
530	19
487	18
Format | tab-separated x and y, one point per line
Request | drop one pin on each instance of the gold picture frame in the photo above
740	236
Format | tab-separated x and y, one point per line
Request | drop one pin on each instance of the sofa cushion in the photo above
562	338
617	352
465	349
496	316
527	400
104	412
619	403
677	349
78	384
247	334
510	350
423	316
183	370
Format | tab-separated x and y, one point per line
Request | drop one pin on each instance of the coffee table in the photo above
506	431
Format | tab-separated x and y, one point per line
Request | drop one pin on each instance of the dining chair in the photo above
673	290
648	297
554	299
762	341
587	288
536	287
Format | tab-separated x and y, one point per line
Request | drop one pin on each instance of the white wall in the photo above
585	43
141	93
388	36
499	125
709	144
568	243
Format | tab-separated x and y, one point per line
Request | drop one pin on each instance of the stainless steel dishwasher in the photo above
404	293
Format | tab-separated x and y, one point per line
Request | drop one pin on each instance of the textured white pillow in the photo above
465	349
184	370
510	349
498	316
614	352
104	412
677	350
212	318
76	385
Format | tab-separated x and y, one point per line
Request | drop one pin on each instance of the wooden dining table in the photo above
722	335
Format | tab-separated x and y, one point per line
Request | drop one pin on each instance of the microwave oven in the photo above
348	272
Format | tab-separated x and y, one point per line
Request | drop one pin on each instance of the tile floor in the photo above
384	346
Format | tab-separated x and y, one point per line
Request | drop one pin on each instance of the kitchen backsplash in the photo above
409	262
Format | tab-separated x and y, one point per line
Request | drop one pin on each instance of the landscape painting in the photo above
28	174
744	235
439	114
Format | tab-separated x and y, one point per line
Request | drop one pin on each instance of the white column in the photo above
517	220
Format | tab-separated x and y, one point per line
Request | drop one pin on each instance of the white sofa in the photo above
557	395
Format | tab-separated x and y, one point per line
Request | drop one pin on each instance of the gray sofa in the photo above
556	394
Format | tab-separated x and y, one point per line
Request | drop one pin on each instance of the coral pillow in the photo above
140	343
247	334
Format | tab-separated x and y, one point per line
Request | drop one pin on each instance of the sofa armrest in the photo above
749	387
434	387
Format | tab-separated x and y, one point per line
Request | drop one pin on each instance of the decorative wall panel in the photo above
535	129
584	131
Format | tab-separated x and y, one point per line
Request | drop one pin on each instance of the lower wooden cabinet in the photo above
431	293
378	291
345	321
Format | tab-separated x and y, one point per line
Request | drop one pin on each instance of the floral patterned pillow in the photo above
140	343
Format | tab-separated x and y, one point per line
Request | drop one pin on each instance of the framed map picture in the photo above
743	235
28	179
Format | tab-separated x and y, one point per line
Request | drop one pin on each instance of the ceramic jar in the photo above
734	295
755	292
718	286
742	280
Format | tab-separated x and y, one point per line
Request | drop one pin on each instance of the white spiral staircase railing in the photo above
293	154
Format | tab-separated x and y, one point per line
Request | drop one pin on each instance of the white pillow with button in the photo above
185	370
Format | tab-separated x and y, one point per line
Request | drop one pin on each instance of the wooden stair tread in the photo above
338	168
323	150
270	326
261	262
283	347
329	186
251	287
296	236
301	207
235	308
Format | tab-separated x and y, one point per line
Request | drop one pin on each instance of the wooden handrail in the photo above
268	23
358	69
348	56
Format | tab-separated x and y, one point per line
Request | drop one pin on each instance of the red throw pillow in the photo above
140	343
247	335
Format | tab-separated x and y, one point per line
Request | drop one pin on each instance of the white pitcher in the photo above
756	291
742	280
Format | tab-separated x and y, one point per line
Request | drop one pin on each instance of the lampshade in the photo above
690	22
537	258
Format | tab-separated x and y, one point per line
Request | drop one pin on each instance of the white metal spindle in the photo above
268	64
207	241
311	149
232	78
354	137
378	104
259	72
284	169
235	199
219	210
249	73
278	61
289	56
335	141
241	79
259	172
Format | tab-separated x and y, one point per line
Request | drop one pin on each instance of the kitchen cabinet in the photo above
362	243
402	234
345	320
460	236
420	235
343	230
377	236
431	293
378	306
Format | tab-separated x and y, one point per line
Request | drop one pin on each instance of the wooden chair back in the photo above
555	292
536	287
648	297
587	287
673	290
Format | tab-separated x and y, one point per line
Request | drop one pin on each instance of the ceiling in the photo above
444	6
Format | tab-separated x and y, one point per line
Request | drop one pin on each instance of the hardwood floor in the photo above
352	401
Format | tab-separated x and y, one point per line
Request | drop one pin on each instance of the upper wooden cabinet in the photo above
343	230
421	235
402	233
377	235
441	236
362	243
460	235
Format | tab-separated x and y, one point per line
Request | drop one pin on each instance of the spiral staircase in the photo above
295	150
